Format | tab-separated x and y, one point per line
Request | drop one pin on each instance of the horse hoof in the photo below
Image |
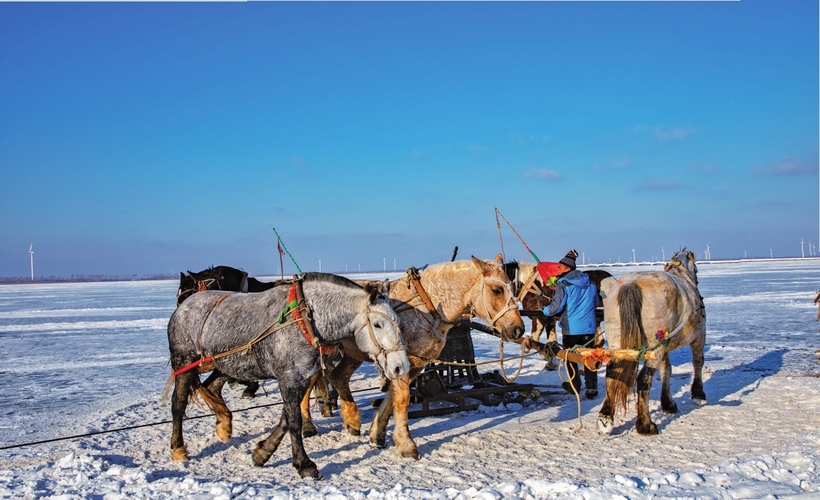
648	430
604	426
377	444
353	432
310	472
699	401
223	432
414	454
248	395
309	431
179	454
326	411
259	457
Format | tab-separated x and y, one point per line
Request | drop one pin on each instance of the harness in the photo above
414	280
296	307
300	314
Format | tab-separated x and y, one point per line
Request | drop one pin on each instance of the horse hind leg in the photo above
667	402
644	423
308	428
211	394
184	385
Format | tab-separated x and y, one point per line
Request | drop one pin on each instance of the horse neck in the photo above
452	287
337	310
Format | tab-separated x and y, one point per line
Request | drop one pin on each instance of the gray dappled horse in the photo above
257	337
653	310
229	279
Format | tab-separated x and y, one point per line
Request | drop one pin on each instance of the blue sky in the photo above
142	138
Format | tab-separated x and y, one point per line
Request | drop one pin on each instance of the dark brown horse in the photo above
224	278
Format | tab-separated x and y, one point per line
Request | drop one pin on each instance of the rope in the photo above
152	424
497	213
520	363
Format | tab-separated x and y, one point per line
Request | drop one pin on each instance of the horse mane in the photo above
331	278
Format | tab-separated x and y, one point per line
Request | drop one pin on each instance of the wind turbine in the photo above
31	257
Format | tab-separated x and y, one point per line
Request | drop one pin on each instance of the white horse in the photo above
648	311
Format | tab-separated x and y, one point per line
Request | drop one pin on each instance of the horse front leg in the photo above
405	445
378	429
698	396
644	423
606	416
290	423
340	379
183	385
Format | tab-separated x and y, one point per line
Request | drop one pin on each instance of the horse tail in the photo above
625	373
216	404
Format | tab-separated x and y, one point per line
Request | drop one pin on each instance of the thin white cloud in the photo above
542	174
786	166
479	149
297	161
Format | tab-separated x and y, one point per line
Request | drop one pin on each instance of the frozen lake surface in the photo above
91	357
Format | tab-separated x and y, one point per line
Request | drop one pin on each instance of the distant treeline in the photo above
80	278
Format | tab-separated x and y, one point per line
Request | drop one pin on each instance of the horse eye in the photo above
377	326
496	291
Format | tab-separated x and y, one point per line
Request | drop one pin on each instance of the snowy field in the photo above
81	362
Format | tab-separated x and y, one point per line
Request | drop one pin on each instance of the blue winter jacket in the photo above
576	298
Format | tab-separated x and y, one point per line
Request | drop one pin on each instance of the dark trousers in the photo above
590	376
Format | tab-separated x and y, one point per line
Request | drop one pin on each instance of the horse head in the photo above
383	334
495	302
683	260
187	287
513	272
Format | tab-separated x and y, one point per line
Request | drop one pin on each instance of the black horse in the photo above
228	279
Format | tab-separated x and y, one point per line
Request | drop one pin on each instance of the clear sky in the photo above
142	138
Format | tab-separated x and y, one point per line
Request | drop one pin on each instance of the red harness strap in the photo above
295	294
206	359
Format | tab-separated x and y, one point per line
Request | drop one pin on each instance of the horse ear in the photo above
500	259
386	288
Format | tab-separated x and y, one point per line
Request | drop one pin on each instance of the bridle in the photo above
512	304
381	350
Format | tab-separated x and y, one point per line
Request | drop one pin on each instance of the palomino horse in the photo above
660	310
454	290
275	334
224	278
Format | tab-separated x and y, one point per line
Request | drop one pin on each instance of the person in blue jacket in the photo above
576	299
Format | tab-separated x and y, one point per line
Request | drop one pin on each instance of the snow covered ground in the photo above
91	358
